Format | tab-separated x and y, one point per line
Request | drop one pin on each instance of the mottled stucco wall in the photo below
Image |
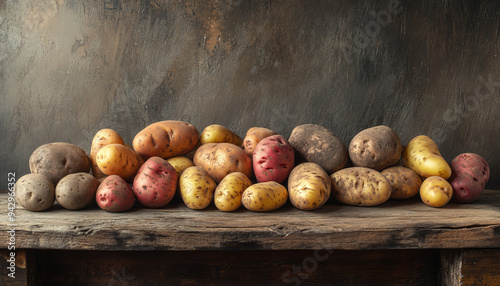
69	68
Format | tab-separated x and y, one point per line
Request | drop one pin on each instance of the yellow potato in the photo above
359	186
422	156
102	138
405	182
216	133
228	193
118	159
309	186
264	197
197	188
436	191
180	164
254	136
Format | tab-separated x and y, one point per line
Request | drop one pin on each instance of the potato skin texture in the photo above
35	192
422	156
221	159
56	160
76	191
315	143
359	186
253	137
376	148
155	183
114	194
264	197
309	186
227	196
404	181
436	191
166	139
117	159
180	163
469	174
102	138
273	159
216	133
197	188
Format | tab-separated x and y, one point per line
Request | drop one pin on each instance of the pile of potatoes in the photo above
262	171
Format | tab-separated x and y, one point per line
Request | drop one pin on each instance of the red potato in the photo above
469	174
115	195
155	183
273	159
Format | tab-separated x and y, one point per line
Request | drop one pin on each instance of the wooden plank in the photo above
481	267
450	267
277	267
393	225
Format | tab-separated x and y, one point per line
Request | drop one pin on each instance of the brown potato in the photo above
221	159
253	137
316	144
102	138
76	191
166	139
404	181
376	148
56	160
35	192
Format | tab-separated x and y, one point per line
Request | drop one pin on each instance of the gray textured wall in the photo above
69	68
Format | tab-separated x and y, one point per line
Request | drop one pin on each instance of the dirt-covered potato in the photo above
76	191
405	182
102	138
217	133
309	186
435	191
35	192
422	156
221	159
359	186
253	137
228	193
264	197
376	148
197	188
114	194
166	139
56	160
117	159
315	143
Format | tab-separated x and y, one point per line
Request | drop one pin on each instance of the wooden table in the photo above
397	243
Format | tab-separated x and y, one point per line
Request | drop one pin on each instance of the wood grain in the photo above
393	225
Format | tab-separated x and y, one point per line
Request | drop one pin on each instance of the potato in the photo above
422	156
264	197
102	138
155	183
197	187
115	195
469	174
435	191
56	160
76	191
216	133
315	143
35	192
180	164
273	159
253	137
405	182
359	186
228	193
166	139
309	186
376	148
117	159
221	159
